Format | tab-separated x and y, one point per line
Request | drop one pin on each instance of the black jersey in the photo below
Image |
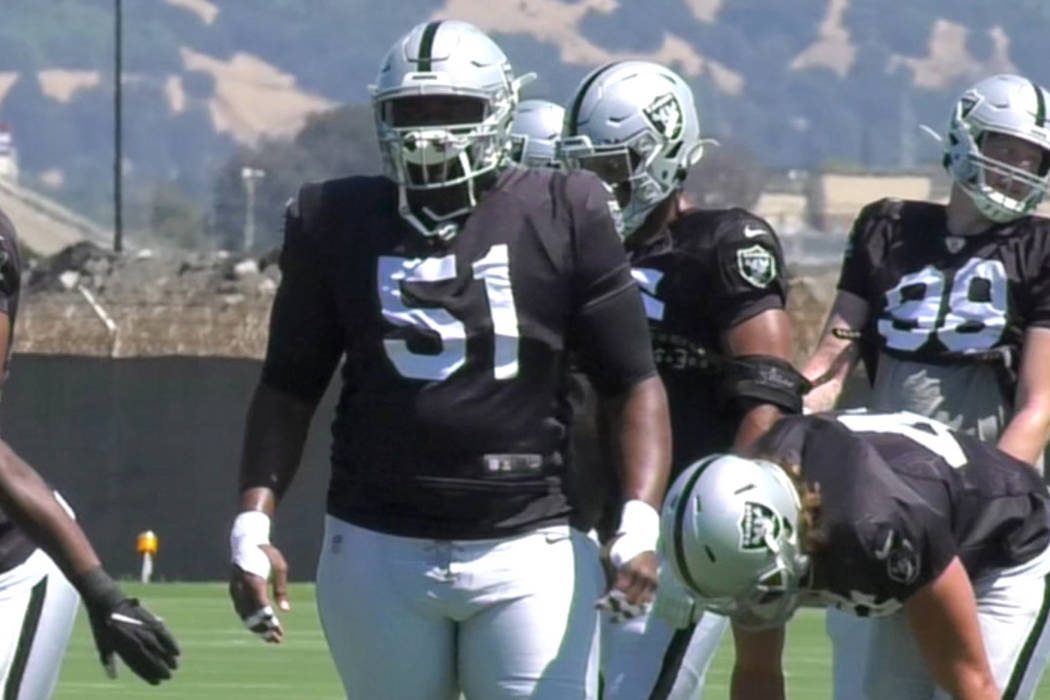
14	546
707	272
453	416
935	297
901	496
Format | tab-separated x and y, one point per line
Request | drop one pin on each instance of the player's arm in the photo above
120	625
1026	434
757	670
839	347
32	505
746	303
943	618
634	399
274	435
642	423
837	351
303	350
765	338
612	332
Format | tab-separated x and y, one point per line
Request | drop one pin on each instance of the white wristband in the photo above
251	529
639	530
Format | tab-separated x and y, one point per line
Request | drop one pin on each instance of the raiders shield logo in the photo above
902	561
665	114
757	265
954	243
756	521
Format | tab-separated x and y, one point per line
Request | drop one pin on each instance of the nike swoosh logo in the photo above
885	550
117	617
752	232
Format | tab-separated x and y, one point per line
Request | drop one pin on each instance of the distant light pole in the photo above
250	176
118	145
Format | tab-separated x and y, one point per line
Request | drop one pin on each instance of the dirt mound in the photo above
88	300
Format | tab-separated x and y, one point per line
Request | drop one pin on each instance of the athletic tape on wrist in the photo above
639	531
251	529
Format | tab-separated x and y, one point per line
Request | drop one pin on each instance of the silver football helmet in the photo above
534	133
1004	104
730	532
443	101
635	124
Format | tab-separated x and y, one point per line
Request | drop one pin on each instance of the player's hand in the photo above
637	578
124	628
633	586
251	601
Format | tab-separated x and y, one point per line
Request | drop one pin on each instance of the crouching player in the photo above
942	540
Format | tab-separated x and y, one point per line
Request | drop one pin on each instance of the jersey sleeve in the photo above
1039	315
305	341
10	267
856	260
750	273
905	550
884	541
610	328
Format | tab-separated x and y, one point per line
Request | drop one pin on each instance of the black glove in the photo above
123	626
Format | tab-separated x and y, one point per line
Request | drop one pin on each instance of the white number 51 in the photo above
493	269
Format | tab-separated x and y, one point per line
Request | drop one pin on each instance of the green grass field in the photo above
222	661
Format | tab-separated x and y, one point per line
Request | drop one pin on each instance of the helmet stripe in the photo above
1040	110
574	114
426	45
679	517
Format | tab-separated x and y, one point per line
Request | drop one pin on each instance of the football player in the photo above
453	286
850	511
951	302
713	287
534	133
40	546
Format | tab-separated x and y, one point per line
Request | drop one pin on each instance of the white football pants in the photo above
645	658
418	619
37	609
663	654
876	658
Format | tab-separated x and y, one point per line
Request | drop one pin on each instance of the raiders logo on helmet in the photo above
757	521
666	116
